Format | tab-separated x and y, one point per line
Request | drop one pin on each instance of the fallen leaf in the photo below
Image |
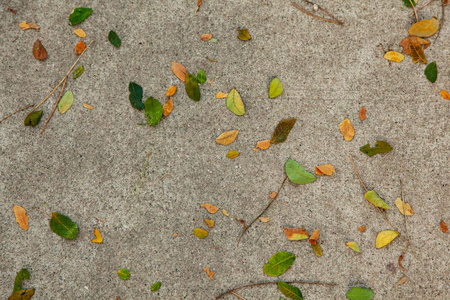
21	217
175	234
358	293
80	47
80	32
225	212
404	208
362	114
210	274
39	51
362	228
78	71
402	281
327	169
221	95
192	88
317	249
409	2
227	137
347	130
123	274
445	95
33	118
385	237
206	37
431	72
279	263
210	208
244	35
273	195
87	106
373	198
443	227
156	286
63	226
297	174
135	97
98	237
79	15
153	111
200	233
417	53
114	39
295	234
242	222
66	102
24	25
201	76
211	81
314	237
171	91
354	246
394	56
290	291
380	147
424	28
21	275
275	88
232	154
392	268
282	130
209	222
264	219
179	70
234	103
413	39
262	145
18	292
22	295
168	107
400	258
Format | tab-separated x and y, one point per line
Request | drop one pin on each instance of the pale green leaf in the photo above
155	286
66	102
201	76
297	174
153	111
358	293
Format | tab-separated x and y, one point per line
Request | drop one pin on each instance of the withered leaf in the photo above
362	114
80	32
314	237
262	145
317	249
385	237
98	237
424	28
168	107
273	195
21	217
264	219
88	106
354	246
206	37
225	213
362	228
402	281
80	47
209	273
221	95
445	95
443	227
227	137
209	222
179	70
417	53
24	25
39	51
413	39
400	258
210	208
295	234
404	208
347	129
282	130
171	91
326	169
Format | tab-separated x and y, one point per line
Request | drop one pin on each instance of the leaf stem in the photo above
426	4
442	21
29	105
406	224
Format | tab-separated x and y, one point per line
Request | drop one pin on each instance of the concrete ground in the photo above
140	185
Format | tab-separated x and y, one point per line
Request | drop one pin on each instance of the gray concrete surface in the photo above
89	164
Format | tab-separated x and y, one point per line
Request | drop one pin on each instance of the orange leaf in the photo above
445	95
168	107
88	106
417	53
273	195
362	114
325	169
264	219
227	137
400	258
225	212
295	234
179	70
210	222
21	217
413	39
31	25
39	51
347	130
98	237
221	95
80	32
206	37
443	227
210	274
362	228
171	91
210	208
80	47
262	145
424	28
314	237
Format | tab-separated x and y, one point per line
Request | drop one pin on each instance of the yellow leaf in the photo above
80	32
325	169
209	273
221	95
445	95
21	217
347	130
225	212
424	28
232	154
210	208
295	234
262	145
88	106
402	205
417	53
171	91
210	222
385	237
394	56
314	237
179	70
264	219
227	137
244	35
168	107
354	246
200	233
31	25
317	249
98	237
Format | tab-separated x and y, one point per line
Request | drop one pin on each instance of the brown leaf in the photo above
362	228
400	258
264	219
24	25
39	51
168	107
314	237
282	130
179	70
210	208
210	222
88	106
424	28
206	37
413	39
80	32
273	195
417	53
402	281
443	227
347	129
295	234
171	91
327	169
21	217
362	114
210	274
80	47
227	137
262	145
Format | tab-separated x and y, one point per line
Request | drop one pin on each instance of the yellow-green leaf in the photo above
282	130
380	147
276	88
234	103
23	274
232	154
279	263
385	237
373	198
317	249
354	246
290	291
78	71
200	233
63	226
123	274
33	118
295	234
66	102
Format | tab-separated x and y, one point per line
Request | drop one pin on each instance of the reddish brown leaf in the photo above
273	195
39	51
314	237
80	47
413	39
11	10
402	281
400	258
282	130
362	114
362	228
206	37
295	234
444	227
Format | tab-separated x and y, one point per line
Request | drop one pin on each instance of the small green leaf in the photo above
155	286
408	4
297	174
123	274
63	226
431	72
290	291
234	103
373	198
279	263
276	88
136	93
78	71
192	88
114	39
153	111
33	118
79	15
23	274
380	147
66	102
358	293
22	295
282	130
201	76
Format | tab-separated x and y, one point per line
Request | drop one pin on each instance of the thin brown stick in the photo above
43	212
233	293
354	168
418	9
267	207
415	12
271	282
322	9
29	105
317	17
442	21
56	104
406	223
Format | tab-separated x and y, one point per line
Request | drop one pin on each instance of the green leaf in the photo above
33	118
380	147
201	76
234	103
276	88
78	71
279	263
153	111
373	198
63	226
79	15
282	130
66	102
136	93
114	39
192	88
22	295
297	174
155	286
123	274
408	4
23	274
431	72
290	291
358	293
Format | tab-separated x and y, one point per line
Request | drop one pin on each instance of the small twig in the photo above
165	175
415	12
210	59
276	282
56	104
43	212
267	207
233	293
317	17
354	168
442	21
426	4
406	224
29	105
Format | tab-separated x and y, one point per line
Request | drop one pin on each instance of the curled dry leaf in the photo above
210	274
314	237
39	51
80	47
221	95
171	91
80	32
394	56
273	195
87	106
385	237
200	233
179	70
206	37
225	213
210	208
295	234
209	222
402	281
400	258
168	107
327	169
445	95
424	28
362	114
21	217
443	227
413	39
24	25
227	137
347	130
317	249
404	208
417	53
354	246
362	228
232	154
98	237
264	219
262	145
